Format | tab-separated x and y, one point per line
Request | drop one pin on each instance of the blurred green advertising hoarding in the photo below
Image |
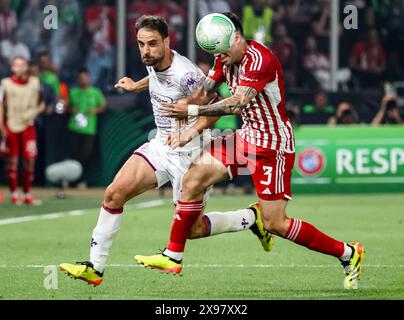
349	159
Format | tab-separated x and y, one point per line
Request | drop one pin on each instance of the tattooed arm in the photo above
231	105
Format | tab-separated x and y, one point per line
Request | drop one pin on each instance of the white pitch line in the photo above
76	213
219	266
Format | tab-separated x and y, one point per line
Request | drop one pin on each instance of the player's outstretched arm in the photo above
129	85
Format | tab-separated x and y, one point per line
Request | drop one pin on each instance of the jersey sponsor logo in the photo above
160	98
310	162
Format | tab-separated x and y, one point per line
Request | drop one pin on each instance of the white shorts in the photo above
169	165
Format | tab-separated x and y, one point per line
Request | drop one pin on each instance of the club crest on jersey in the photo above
191	81
310	162
169	82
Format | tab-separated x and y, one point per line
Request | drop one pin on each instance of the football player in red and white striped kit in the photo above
265	144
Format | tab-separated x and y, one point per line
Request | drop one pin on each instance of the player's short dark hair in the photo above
236	21
155	23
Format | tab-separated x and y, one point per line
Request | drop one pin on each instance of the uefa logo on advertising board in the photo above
311	162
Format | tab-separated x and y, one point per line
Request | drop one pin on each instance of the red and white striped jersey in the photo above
265	121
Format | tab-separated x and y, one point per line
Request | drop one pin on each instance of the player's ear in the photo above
167	42
237	37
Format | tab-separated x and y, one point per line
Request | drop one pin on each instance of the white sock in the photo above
347	253
231	221
103	235
174	255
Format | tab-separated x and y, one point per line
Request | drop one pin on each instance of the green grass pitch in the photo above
230	266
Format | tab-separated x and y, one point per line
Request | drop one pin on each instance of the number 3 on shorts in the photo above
267	172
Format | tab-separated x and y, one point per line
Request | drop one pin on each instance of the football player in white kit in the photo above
165	158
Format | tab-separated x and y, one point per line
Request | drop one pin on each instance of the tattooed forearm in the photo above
232	105
246	93
220	108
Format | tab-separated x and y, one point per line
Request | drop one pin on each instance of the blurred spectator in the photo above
13	46
22	95
318	65
298	17
64	44
285	49
31	25
85	104
390	20
257	17
8	20
368	60
345	114
389	112
52	124
322	23
100	20
175	16
319	111
48	72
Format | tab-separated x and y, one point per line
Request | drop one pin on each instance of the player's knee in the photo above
114	197
192	186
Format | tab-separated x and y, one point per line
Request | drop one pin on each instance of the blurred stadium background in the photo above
344	67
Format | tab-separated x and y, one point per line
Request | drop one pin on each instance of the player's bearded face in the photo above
151	46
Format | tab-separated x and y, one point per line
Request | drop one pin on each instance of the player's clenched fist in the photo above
126	83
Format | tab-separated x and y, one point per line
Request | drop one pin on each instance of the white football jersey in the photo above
178	81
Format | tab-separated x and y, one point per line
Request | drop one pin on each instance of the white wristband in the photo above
193	110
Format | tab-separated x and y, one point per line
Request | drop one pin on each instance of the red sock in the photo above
27	178
186	215
12	177
307	235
